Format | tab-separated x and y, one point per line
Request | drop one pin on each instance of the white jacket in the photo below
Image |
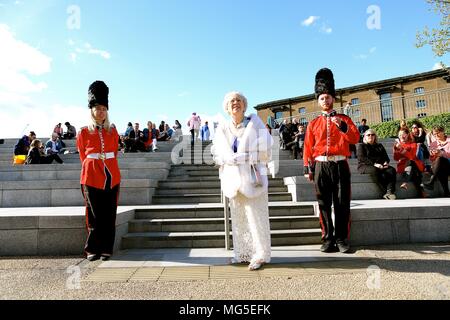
256	142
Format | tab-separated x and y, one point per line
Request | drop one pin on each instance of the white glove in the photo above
240	158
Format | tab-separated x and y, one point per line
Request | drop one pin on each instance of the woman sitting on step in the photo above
410	163
373	160
37	156
440	157
242	148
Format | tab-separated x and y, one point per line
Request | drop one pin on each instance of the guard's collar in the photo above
332	113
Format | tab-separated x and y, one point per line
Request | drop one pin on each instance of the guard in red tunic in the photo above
100	175
326	149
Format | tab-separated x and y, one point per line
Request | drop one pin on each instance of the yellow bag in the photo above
20	159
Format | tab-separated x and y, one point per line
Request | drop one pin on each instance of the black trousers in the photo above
333	186
413	174
385	178
101	211
441	171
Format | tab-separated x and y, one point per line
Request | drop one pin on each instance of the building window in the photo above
302	110
355	101
387	112
278	115
420	90
421	104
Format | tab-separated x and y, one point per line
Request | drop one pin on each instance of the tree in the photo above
437	38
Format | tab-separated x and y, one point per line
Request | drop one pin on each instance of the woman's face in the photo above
100	112
236	106
439	134
403	136
370	138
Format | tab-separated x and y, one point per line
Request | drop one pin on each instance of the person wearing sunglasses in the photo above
373	160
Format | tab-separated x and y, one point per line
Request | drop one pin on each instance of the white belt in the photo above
101	156
330	158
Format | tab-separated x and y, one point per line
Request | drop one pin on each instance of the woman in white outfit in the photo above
242	149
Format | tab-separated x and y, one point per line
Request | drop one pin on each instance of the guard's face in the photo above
326	102
100	112
236	106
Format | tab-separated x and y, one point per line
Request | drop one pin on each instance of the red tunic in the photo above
410	154
326	139
93	170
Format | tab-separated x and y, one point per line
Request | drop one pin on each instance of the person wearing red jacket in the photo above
326	149
100	175
407	153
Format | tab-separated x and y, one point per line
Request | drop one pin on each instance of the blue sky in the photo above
164	59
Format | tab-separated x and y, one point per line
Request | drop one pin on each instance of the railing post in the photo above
226	214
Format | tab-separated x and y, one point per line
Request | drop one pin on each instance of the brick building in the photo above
407	97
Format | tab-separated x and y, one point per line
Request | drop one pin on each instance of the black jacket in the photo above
370	154
34	156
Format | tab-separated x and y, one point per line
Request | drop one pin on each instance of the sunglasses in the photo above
370	135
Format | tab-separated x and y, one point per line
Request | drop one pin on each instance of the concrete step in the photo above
66	193
200	190
208	198
202	183
215	224
213	239
149	170
216	211
363	188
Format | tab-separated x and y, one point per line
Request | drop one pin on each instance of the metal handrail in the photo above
226	215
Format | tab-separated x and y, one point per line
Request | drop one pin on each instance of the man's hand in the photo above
309	177
337	121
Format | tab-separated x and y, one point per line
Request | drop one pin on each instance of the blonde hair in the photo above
228	98
106	123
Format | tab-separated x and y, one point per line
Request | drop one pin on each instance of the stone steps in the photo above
209	198
213	239
216	211
215	224
205	191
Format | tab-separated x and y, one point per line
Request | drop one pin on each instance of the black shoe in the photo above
428	185
343	246
328	246
105	257
92	257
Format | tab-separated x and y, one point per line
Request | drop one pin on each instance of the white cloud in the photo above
326	29
365	56
437	66
104	54
18	57
21	116
184	94
310	21
86	48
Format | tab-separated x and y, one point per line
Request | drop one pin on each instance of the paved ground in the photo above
385	272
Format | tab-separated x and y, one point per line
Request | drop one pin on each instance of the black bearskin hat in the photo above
324	83
98	94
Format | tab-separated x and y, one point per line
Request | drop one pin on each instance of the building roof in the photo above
377	85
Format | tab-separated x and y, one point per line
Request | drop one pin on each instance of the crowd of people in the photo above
242	149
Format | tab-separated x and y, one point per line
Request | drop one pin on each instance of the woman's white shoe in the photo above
255	265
